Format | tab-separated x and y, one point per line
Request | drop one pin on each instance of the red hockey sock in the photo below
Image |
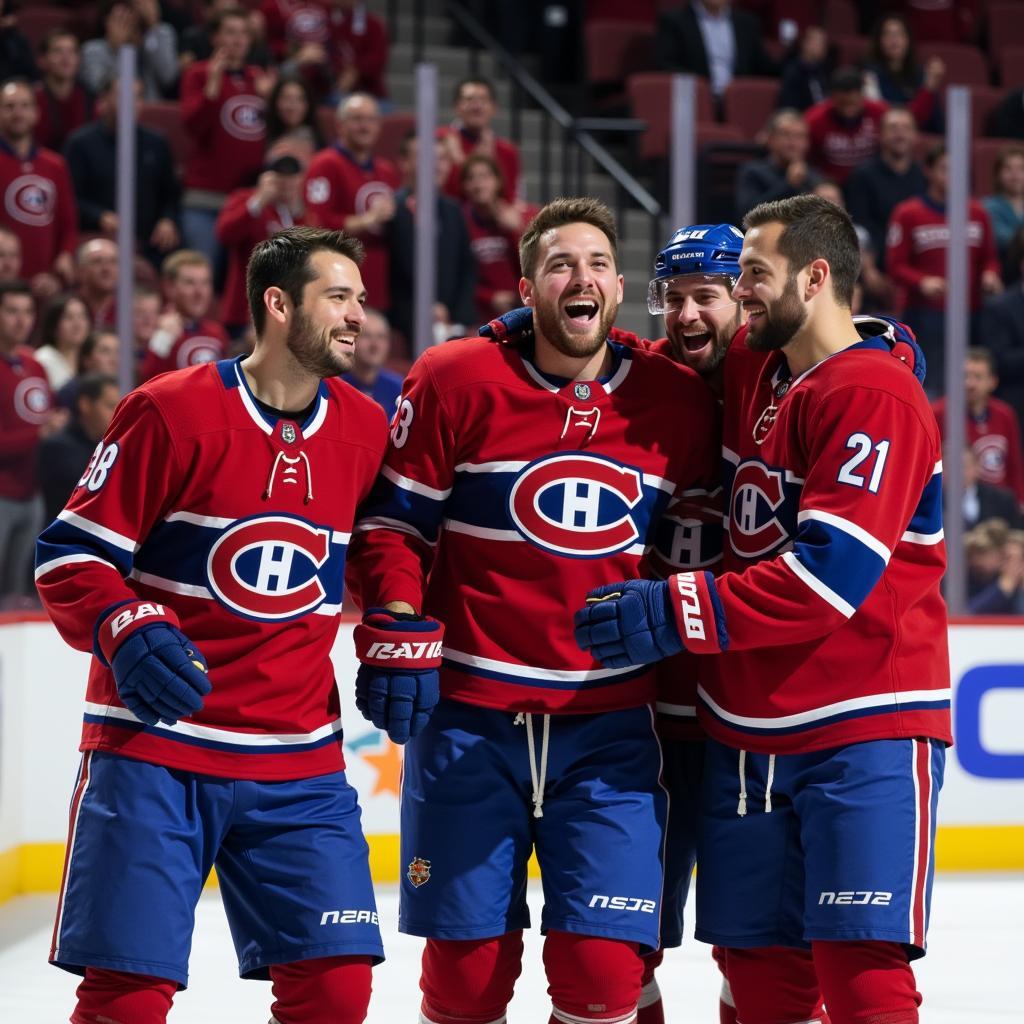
592	979
470	982
328	990
650	1009
117	997
867	982
726	1006
773	985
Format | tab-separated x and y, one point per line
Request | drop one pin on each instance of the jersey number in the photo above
401	423
864	446
102	461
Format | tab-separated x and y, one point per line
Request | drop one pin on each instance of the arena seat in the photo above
1010	62
850	49
650	98
393	128
840	18
35	22
615	50
965	65
749	102
164	116
1005	25
984	99
984	153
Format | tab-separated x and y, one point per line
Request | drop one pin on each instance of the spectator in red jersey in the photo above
91	154
10	255
196	41
495	227
351	189
136	23
941	21
993	430
64	103
471	132
249	216
185	336
39	204
368	373
222	108
844	128
892	74
916	245
291	110
97	279
64	326
1005	206
26	416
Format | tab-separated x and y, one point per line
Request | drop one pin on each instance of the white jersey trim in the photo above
490	467
858	533
828	595
923	538
119	540
171	586
56	563
216	522
531	671
411	485
387	523
678	710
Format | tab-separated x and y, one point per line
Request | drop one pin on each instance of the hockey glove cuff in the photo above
510	326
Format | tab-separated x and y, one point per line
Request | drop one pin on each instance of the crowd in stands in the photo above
254	115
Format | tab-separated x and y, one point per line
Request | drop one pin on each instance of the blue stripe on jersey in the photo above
927	518
389	500
61	539
843	716
840	561
193	741
546	684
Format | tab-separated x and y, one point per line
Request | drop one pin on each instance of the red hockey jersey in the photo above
516	494
202	341
506	155
829	609
25	403
240	522
338	187
39	207
838	145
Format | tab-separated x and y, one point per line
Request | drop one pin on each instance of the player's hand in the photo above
510	326
398	684
628	624
160	675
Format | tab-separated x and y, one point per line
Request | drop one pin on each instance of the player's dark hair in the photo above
575	210
979	354
482	159
814	228
92	385
474	80
14	288
49	322
283	261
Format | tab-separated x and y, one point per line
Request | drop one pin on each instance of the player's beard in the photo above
780	322
721	338
576	346
312	348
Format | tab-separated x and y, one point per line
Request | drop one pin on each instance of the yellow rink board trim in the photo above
37	867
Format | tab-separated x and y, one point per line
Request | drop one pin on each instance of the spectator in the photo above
844	128
222	108
97	279
64	103
472	131
783	172
26	416
713	39
984	549
1002	327
40	202
348	187
91	154
916	245
368	373
806	73
1005	207
494	227
10	255
136	23
1005	594
15	48
1007	120
982	501
290	110
196	43
454	308
147	306
100	354
64	328
184	335
249	216
877	186
892	74
993	430
63	456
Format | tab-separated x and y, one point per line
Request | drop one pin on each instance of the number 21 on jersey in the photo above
854	470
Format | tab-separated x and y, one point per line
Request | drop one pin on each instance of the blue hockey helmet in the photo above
710	250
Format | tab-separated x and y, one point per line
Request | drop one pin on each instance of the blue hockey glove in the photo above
398	684
510	326
628	624
901	339
160	675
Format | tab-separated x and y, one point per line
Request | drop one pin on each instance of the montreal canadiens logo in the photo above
308	25
990	451
32	400
242	118
757	500
31	200
267	567
369	193
200	349
576	504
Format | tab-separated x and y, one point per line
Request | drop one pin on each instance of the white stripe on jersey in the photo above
56	563
828	595
119	540
412	485
858	533
531	671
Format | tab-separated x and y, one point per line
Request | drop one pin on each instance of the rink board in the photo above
981	811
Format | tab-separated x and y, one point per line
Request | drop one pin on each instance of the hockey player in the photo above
201	560
514	478
828	711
